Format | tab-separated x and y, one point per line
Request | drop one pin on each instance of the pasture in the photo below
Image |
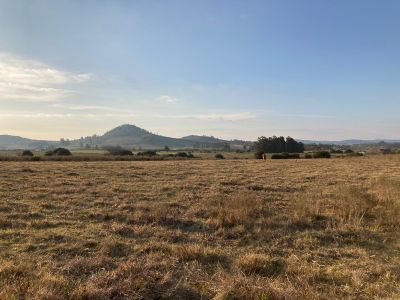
201	229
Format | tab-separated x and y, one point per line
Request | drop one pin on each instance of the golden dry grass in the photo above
234	229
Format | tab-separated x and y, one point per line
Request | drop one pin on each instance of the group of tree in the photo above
278	145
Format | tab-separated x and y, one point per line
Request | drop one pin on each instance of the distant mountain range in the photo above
17	142
351	142
131	136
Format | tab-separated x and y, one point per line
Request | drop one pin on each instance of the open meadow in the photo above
201	229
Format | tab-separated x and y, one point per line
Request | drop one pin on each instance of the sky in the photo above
311	69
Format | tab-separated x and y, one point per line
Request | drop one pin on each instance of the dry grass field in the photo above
232	229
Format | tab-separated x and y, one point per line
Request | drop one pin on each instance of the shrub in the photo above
285	155
59	152
258	154
308	155
336	151
322	154
219	156
126	152
62	152
277	156
117	150
27	153
49	153
147	153
351	154
181	154
184	155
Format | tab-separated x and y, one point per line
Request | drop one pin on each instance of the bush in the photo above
181	154
219	156
62	152
117	150
147	153
322	154
285	155
125	152
59	152
184	155
27	153
308	155
258	154
336	151
351	154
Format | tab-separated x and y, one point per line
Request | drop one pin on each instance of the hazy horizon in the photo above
308	69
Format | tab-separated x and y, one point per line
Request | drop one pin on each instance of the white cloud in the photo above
32	81
167	99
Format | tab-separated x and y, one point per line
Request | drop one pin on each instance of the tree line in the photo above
278	145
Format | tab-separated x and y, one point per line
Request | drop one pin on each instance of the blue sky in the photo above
234	69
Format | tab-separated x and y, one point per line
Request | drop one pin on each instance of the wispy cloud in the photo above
108	112
167	99
79	107
32	115
32	81
306	116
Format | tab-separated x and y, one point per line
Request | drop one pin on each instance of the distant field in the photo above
201	229
90	154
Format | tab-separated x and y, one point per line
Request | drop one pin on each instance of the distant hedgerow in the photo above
147	153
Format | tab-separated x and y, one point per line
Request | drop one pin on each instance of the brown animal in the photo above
264	156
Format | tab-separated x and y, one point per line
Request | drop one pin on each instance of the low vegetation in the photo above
27	153
285	155
198	229
117	150
321	154
58	152
147	153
